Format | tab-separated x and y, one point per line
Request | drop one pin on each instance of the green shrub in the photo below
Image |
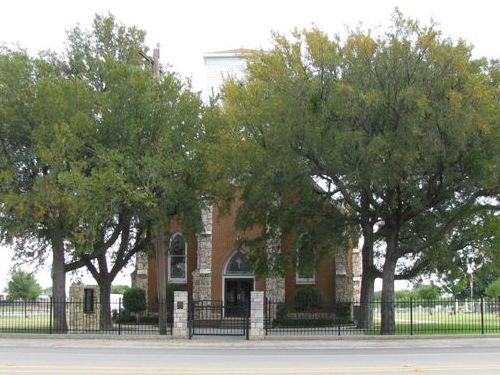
311	323
493	290
308	299
343	310
122	316
134	300
171	289
281	310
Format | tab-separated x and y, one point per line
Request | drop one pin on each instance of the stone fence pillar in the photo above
180	324
256	316
84	308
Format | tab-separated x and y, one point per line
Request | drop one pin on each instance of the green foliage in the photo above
343	310
134	300
428	292
121	316
308	299
457	281
281	311
171	289
399	129
404	294
310	323
94	150
493	290
23	286
119	289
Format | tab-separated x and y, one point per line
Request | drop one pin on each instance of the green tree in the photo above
428	292
134	300
404	294
493	290
400	131
96	151
119	289
44	120
148	149
23	286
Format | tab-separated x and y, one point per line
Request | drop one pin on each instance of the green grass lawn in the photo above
443	323
21	323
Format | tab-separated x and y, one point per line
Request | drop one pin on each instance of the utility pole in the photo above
159	235
158	230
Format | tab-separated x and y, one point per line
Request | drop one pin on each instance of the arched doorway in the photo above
238	282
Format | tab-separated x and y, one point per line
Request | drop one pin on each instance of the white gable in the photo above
220	66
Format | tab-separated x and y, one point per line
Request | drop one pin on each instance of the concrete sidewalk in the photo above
96	341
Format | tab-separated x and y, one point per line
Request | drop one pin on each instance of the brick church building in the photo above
210	266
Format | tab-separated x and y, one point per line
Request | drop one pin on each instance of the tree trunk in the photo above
159	244
58	283
105	322
365	318
388	326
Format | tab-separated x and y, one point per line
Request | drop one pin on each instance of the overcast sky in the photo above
187	29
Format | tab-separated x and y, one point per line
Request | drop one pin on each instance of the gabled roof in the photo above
229	53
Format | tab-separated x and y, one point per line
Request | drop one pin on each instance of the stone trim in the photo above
275	285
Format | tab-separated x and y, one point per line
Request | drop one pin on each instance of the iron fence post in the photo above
119	316
190	319
266	316
411	316
482	315
50	314
247	324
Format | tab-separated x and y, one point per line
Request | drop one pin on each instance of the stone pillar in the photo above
256	316
343	278
140	275
357	273
202	276
84	308
180	324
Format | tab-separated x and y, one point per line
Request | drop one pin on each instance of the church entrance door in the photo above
237	296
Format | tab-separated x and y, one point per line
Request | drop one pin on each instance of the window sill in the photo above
305	282
177	281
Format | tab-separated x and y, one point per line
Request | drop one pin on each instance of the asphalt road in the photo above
57	356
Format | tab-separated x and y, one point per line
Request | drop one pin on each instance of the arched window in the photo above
177	260
306	262
238	265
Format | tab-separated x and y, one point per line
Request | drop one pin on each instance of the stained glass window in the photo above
238	265
177	260
305	260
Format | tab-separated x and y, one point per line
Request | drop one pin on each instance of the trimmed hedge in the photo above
134	300
323	322
308	299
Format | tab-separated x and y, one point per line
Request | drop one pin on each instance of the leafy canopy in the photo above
23	286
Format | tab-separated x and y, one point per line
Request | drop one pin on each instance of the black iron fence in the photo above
214	318
39	317
411	317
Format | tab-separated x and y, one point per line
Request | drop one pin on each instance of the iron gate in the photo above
213	318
